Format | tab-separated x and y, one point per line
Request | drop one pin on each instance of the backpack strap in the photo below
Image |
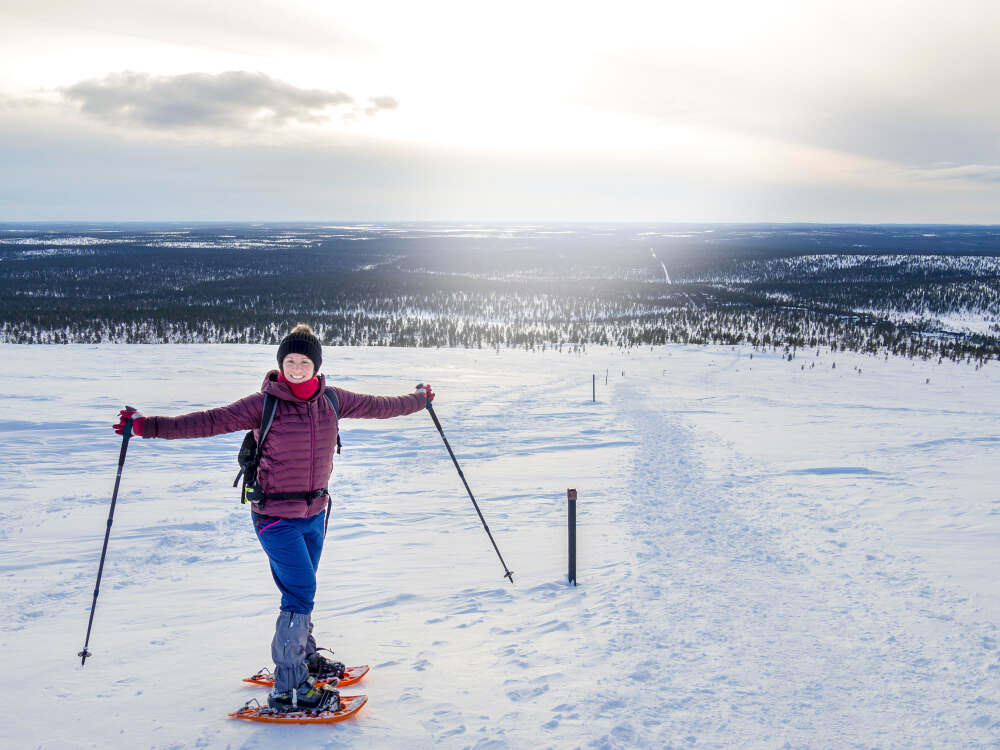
331	396
266	418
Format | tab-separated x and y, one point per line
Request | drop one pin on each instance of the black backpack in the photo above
251	449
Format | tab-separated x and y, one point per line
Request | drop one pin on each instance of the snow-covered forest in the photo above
931	292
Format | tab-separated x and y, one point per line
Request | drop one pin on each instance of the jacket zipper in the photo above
312	445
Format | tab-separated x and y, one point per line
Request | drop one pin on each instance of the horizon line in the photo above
480	222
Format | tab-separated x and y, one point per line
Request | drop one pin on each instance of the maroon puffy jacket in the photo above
298	450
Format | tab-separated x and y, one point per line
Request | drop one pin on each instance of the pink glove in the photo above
425	389
135	416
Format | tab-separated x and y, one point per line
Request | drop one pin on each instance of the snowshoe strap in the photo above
331	699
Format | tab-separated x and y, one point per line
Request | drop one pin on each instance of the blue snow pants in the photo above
293	547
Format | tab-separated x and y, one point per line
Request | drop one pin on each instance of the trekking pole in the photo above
126	434
430	407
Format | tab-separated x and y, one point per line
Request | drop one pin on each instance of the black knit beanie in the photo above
301	342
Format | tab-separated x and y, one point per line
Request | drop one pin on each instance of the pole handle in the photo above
419	386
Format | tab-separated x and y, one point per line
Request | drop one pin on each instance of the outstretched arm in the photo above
363	406
242	415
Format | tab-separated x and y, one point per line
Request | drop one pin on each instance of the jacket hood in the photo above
284	392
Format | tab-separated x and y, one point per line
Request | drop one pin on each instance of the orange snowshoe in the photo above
344	708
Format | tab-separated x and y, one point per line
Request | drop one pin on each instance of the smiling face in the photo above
298	368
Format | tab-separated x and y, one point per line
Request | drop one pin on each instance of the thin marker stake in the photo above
571	496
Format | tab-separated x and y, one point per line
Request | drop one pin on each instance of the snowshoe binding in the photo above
307	698
327	670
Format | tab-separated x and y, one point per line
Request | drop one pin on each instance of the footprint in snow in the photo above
641	675
552	626
527	694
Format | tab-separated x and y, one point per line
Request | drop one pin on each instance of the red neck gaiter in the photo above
304	390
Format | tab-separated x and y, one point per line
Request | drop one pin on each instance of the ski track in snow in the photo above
738	586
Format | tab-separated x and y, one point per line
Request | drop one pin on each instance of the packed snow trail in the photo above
759	620
751	635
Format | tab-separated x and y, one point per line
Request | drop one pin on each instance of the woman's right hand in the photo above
137	419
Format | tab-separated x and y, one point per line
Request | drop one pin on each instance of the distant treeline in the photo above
430	294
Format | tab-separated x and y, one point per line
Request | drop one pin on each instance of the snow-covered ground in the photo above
771	553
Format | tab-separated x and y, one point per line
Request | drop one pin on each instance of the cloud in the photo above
983	173
380	102
232	100
65	167
934	119
912	84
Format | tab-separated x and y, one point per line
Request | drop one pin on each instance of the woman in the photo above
289	510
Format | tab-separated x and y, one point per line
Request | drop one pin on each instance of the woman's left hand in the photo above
124	416
425	390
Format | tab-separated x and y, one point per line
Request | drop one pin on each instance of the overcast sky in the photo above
854	110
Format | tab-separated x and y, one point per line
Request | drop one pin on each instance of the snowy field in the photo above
771	554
